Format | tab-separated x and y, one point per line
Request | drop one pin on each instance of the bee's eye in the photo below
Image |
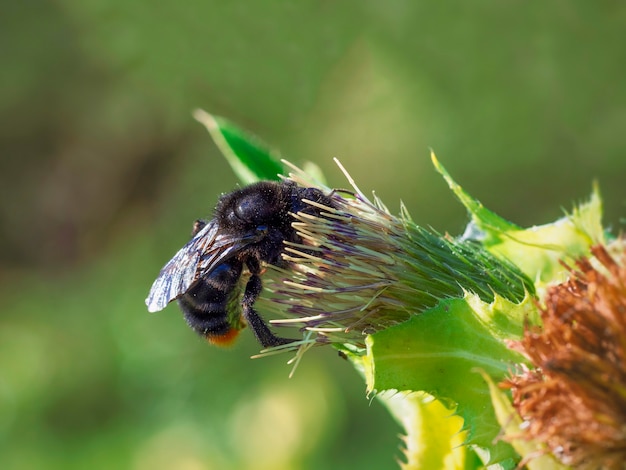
252	209
246	209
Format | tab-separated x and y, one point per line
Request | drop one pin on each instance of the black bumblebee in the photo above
249	228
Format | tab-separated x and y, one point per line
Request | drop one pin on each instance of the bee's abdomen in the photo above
207	317
205	305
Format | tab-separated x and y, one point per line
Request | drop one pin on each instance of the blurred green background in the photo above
103	171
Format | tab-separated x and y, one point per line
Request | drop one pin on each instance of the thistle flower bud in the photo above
361	269
574	400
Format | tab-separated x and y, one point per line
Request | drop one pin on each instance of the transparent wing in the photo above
203	253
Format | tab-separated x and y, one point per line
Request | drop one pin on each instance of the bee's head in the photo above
257	208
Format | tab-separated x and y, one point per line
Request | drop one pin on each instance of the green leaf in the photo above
250	159
440	351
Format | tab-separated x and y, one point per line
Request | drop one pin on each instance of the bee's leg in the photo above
256	323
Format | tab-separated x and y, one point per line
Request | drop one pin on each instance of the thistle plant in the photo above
503	347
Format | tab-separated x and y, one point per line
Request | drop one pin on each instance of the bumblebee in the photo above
249	228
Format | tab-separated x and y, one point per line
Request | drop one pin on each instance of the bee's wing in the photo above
206	250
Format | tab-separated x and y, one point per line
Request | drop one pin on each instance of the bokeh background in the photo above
103	170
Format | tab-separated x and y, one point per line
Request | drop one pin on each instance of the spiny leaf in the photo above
538	251
438	352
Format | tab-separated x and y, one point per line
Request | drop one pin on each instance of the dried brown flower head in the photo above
574	401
